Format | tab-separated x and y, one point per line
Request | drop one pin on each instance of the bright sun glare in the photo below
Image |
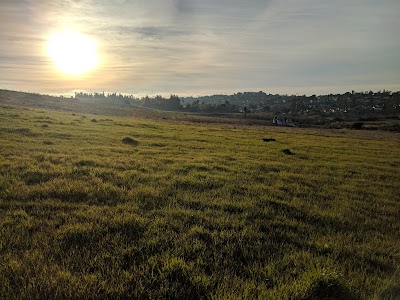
72	52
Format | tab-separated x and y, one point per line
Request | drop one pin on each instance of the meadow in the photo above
117	207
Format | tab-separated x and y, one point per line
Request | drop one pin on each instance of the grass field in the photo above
106	207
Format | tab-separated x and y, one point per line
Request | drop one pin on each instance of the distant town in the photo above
355	110
381	102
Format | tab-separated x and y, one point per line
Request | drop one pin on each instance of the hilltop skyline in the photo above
189	47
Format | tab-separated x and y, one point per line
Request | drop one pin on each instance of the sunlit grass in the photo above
193	211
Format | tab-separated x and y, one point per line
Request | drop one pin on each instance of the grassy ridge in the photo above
184	210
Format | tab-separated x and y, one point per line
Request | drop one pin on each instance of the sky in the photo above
202	47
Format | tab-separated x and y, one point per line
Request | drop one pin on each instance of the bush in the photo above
357	126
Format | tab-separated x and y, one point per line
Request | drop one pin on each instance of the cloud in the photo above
232	8
181	46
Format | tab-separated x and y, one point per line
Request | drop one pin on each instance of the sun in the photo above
73	53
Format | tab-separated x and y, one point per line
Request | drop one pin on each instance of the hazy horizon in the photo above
192	48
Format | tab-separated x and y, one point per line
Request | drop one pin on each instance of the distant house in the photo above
279	121
282	122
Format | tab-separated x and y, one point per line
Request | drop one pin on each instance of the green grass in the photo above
134	208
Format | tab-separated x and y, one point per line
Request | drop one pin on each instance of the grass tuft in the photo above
269	140
287	152
130	141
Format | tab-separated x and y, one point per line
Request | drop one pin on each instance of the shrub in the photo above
357	126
